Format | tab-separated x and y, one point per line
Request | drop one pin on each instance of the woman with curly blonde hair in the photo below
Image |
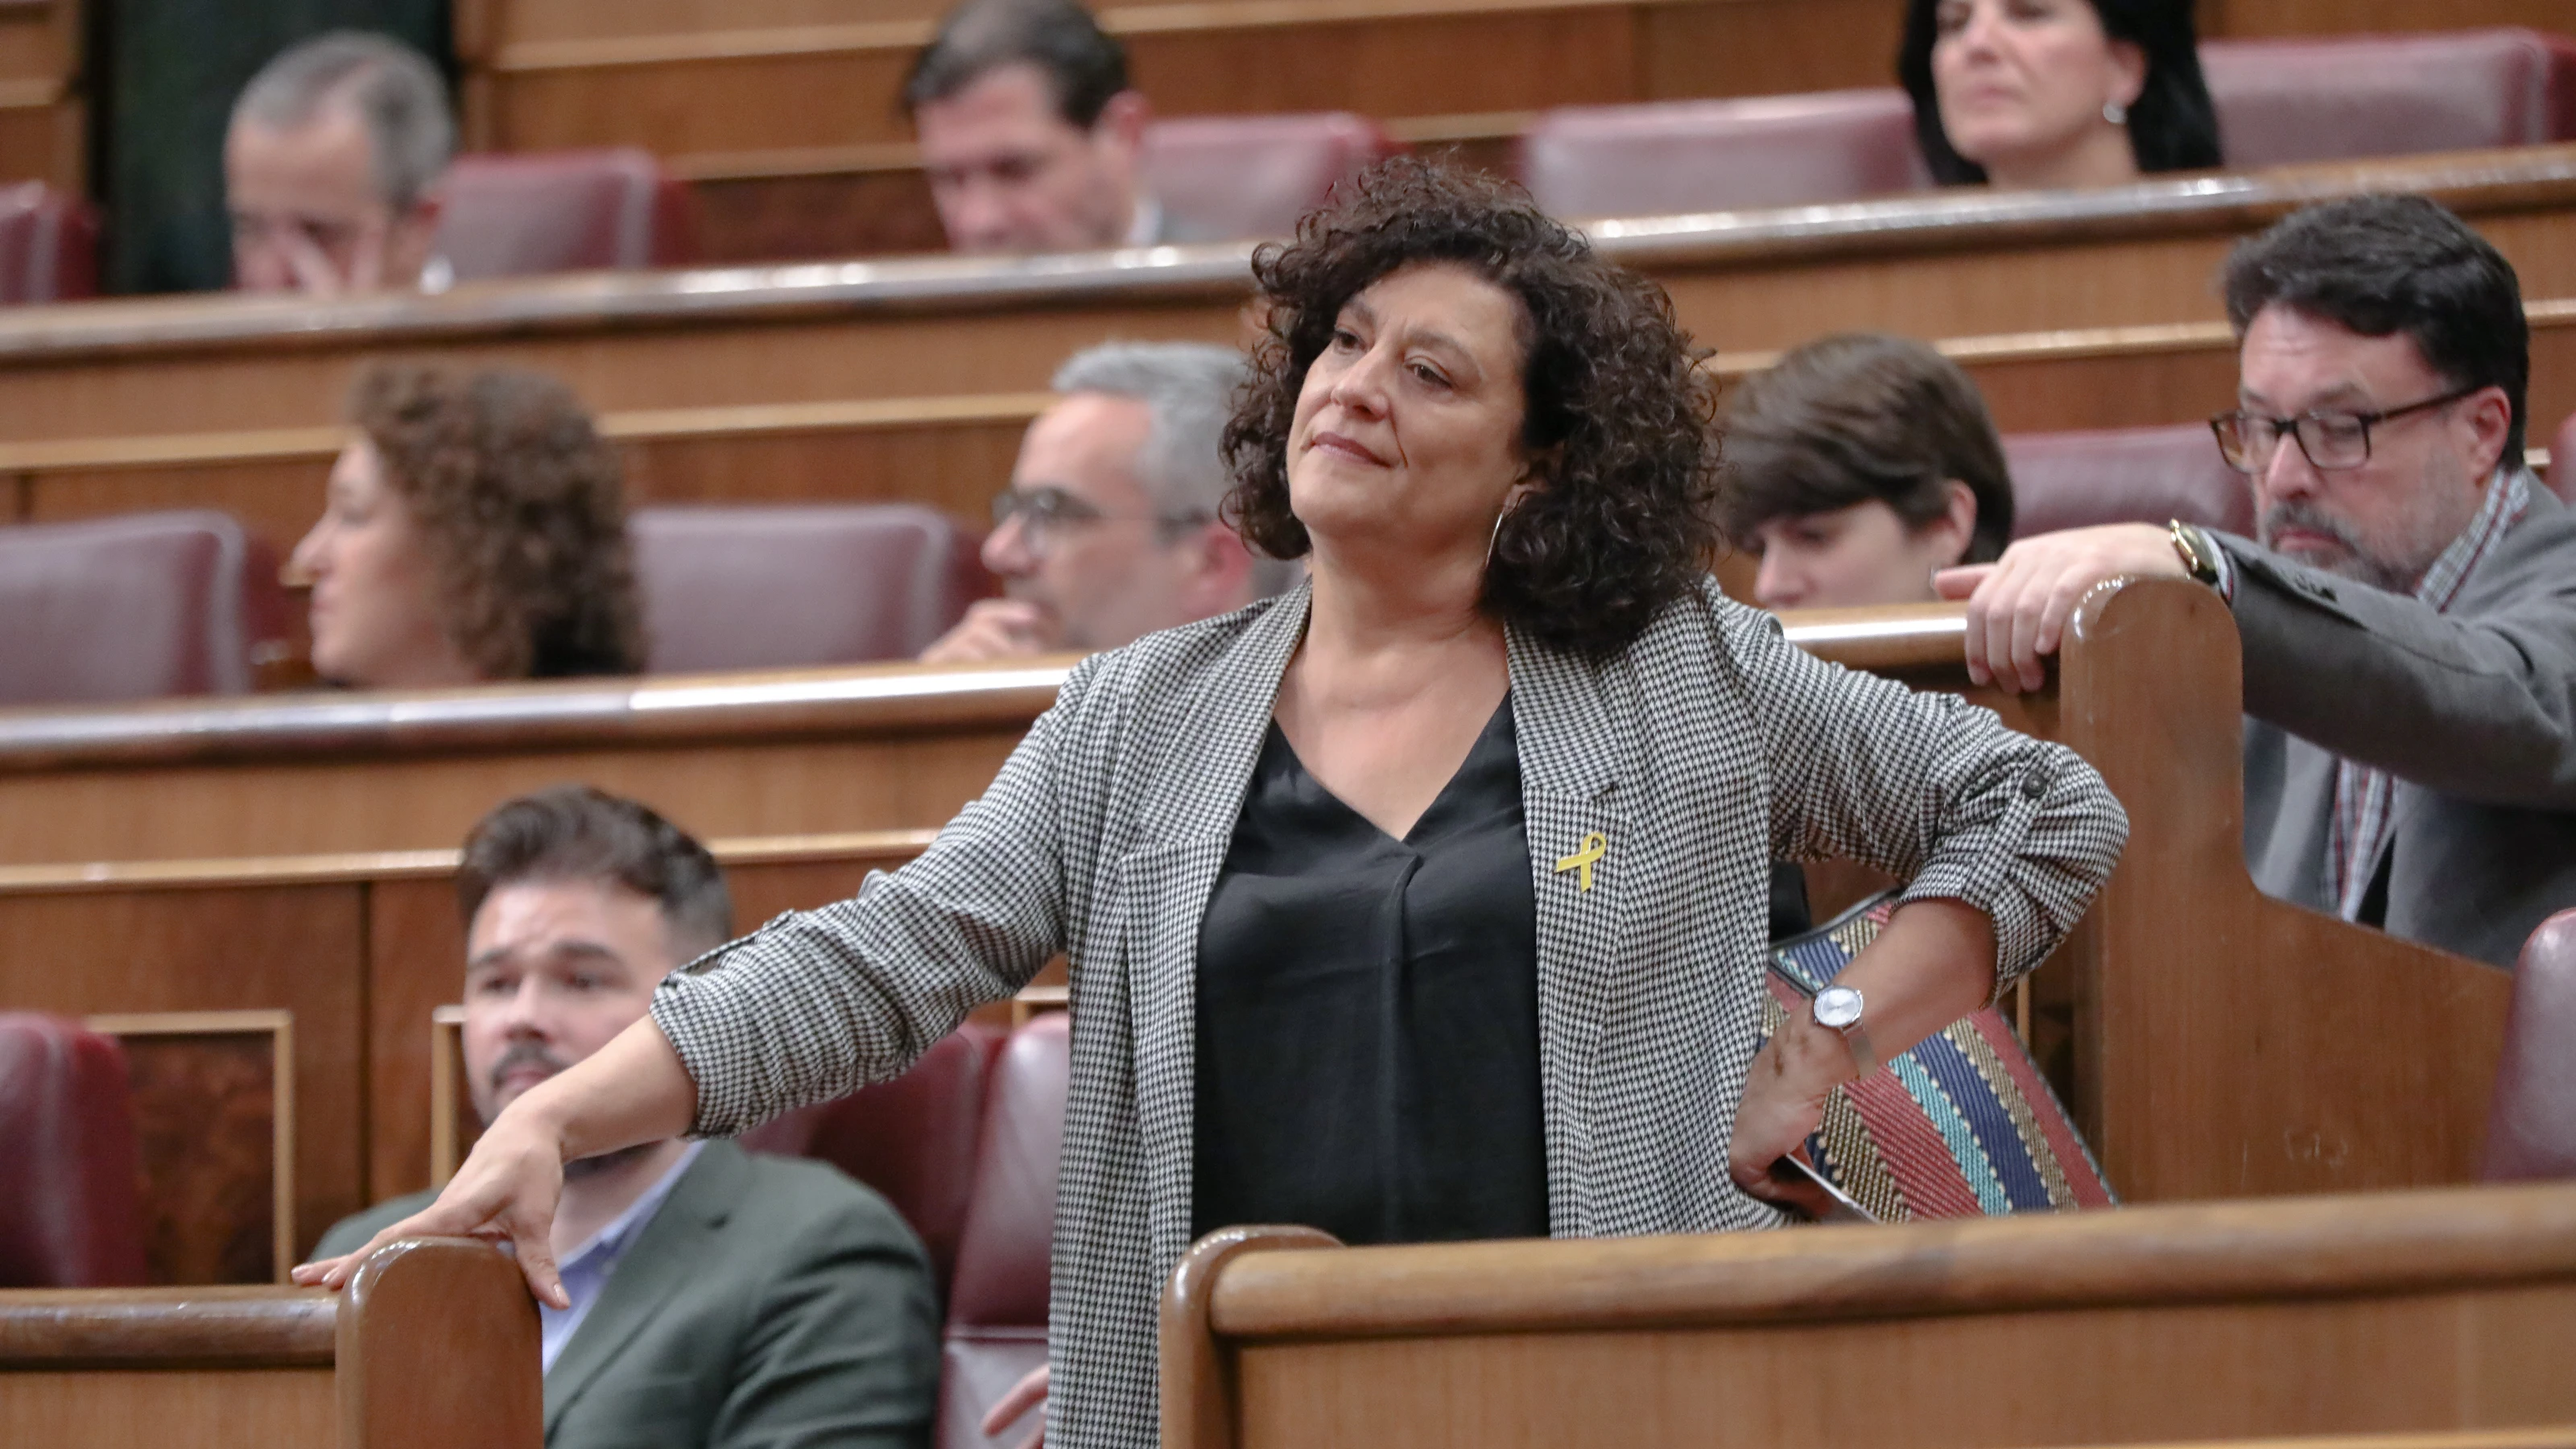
474	531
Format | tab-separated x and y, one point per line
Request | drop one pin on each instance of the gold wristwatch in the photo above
2199	555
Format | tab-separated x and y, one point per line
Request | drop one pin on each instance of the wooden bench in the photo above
433	1346
784	113
2439	1320
955	452
932	331
2211	1041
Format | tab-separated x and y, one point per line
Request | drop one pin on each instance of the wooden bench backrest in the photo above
432	1346
2415	1311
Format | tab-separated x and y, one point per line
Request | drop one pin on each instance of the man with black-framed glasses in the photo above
1109	529
2408	611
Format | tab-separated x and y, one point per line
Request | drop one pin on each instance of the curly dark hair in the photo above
519	507
1616	412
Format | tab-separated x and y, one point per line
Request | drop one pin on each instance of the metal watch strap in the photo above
2195	550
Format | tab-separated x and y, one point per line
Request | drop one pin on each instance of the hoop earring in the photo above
1495	537
2115	113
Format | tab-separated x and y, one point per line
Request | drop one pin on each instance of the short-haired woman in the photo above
1856	468
474	531
1425	901
2026	94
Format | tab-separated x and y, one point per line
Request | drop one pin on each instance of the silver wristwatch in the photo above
1837	1009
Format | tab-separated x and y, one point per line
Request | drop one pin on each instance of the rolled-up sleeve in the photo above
1931	789
819	1003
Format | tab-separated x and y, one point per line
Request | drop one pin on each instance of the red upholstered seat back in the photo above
780	587
137	607
912	1139
1681	156
48	245
2285	101
2531	1126
2125	475
69	1215
562	211
1220	177
997	1304
2562	461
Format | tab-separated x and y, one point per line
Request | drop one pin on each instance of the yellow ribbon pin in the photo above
1595	846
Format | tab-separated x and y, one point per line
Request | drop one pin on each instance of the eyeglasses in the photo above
1047	514
2330	441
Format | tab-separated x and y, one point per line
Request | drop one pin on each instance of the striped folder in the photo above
1960	1126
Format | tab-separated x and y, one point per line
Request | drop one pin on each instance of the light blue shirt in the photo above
585	1269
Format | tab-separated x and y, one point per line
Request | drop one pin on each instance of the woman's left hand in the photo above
1784	1099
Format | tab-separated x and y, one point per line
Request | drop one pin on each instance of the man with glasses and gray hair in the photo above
1109	530
331	169
2409	611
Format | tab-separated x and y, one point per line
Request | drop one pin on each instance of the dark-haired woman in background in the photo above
1425	901
1857	467
2028	94
474	531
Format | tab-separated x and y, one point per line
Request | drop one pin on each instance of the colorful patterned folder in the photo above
1960	1126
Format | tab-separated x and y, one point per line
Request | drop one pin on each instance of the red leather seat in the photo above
137	607
781	587
912	1139
2562	461
69	1174
2531	1126
997	1305
2285	101
2125	475
562	211
1683	156
48	245
1220	178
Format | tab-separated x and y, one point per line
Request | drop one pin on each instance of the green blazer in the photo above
771	1302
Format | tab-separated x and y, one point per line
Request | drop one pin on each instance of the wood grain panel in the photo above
203	1409
2251	18
214	1123
1768	47
415	963
305	807
179	950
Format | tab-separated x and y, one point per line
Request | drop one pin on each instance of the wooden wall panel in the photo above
1768	47
786	787
288	948
2248	19
214	1117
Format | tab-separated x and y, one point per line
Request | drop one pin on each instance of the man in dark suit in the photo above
717	1298
2409	611
1030	135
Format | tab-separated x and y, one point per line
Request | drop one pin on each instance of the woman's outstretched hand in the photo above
506	1191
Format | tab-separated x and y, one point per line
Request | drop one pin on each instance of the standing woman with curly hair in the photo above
474	531
1426	901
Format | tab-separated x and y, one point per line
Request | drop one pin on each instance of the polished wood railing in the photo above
2434	1319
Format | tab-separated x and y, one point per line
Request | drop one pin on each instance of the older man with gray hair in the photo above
331	167
1109	530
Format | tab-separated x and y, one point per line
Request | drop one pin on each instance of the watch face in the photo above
1837	1007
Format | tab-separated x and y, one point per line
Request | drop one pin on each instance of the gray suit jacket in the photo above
1706	750
2473	712
769	1303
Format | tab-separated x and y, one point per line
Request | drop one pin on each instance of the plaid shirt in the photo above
2358	834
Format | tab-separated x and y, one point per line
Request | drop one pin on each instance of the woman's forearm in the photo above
1932	964
632	1090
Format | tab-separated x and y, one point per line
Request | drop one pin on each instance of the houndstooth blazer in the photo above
1702	752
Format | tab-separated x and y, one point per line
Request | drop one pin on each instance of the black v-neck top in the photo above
1368	1053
